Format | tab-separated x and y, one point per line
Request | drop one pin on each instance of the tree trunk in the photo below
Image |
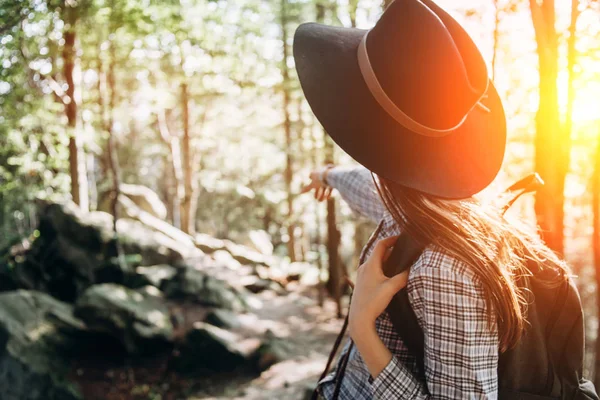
318	238
496	35
187	214
571	61
552	144
110	144
333	235
77	166
596	247
174	157
333	242
287	126
352	7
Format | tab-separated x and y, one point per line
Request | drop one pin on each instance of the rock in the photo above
224	259
183	240
10	255
155	275
245	255
258	240
223	319
155	247
199	287
139	319
306	273
208	349
261	241
308	390
141	196
257	285
273	350
76	250
208	244
38	337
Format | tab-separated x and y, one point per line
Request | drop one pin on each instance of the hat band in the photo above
388	105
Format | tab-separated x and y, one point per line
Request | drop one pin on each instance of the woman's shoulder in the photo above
440	263
434	259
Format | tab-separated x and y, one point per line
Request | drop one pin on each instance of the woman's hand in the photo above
373	290
322	191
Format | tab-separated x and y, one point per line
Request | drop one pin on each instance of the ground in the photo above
309	330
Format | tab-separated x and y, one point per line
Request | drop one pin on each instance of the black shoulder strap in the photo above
404	254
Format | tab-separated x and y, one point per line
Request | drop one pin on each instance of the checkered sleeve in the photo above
356	186
461	346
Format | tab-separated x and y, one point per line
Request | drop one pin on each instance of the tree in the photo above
78	173
552	144
190	187
336	275
287	127
596	245
571	62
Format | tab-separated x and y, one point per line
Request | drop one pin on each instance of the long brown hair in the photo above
497	251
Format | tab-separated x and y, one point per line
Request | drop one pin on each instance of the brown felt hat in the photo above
410	99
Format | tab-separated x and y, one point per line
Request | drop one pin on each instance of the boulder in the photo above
224	259
272	350
139	319
141	196
38	338
154	246
207	349
242	254
75	250
199	287
154	275
255	284
246	255
184	240
208	244
13	250
258	240
223	319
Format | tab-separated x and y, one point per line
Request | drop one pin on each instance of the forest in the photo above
155	242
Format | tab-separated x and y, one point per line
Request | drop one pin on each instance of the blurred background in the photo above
153	244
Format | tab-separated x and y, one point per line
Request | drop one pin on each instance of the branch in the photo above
539	23
163	127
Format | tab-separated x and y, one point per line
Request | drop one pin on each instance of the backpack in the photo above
547	362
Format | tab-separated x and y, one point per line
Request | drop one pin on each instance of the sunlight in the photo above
586	106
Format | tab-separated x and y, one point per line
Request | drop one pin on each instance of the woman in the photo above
410	100
468	271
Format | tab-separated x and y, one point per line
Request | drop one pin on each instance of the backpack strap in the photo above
405	253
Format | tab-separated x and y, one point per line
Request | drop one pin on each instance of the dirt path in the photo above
310	331
307	329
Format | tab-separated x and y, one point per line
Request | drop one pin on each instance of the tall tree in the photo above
596	246
552	144
77	165
190	187
336	274
571	62
113	161
495	36
287	126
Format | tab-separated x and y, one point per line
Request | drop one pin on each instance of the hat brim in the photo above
456	166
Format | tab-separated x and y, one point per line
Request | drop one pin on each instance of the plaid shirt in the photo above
461	347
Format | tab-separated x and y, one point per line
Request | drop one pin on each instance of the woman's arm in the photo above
355	185
461	347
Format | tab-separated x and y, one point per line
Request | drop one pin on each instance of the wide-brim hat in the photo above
409	99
